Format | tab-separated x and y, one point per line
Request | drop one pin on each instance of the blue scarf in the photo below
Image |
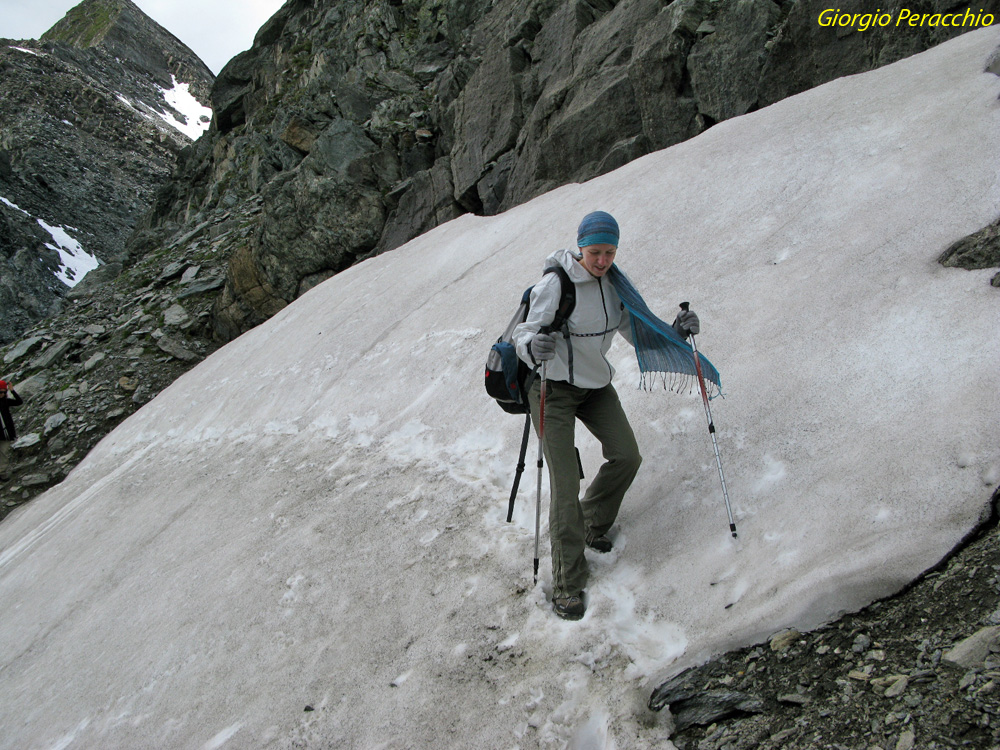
658	348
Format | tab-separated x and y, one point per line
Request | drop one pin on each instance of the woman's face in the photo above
597	259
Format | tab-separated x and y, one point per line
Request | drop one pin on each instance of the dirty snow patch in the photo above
197	117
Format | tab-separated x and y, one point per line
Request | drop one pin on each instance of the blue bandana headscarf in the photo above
597	228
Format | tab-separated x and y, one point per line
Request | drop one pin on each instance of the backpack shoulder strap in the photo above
567	297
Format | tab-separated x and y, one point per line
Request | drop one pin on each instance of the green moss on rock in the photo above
86	24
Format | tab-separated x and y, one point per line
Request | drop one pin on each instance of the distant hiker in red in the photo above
8	398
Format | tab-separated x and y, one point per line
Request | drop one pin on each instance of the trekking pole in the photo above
711	425
538	496
524	448
520	467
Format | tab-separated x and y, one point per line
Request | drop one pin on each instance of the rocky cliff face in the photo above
362	124
87	137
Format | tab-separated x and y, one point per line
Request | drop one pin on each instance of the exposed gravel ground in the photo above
918	670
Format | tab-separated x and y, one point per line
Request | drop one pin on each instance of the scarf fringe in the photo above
676	382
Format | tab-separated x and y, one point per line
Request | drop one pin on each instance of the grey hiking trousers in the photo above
570	519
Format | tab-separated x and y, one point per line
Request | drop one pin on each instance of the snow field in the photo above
314	516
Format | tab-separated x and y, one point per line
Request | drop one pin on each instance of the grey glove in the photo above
686	322
542	347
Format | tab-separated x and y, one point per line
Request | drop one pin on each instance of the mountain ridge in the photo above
385	119
121	28
88	137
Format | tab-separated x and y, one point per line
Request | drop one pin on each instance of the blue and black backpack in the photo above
508	378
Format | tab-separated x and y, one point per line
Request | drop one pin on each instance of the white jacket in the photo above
595	319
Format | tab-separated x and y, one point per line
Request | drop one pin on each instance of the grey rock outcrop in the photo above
117	343
726	64
977	251
362	124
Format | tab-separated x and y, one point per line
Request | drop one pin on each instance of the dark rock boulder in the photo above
977	251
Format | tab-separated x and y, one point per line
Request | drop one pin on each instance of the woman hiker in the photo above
578	386
7	433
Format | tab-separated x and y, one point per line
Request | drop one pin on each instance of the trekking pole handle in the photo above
685	306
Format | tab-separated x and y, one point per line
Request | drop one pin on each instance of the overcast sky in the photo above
216	30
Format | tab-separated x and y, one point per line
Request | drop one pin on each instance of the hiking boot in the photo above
600	543
569	607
